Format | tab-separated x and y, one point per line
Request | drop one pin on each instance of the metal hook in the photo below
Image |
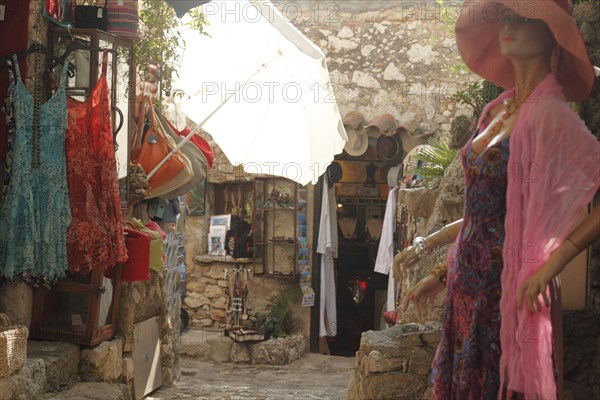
69	27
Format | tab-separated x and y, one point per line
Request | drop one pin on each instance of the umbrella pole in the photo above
199	126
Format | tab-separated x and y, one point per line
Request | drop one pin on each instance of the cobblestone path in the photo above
314	376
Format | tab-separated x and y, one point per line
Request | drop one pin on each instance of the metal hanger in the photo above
76	44
36	47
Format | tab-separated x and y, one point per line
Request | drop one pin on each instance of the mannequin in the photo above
529	48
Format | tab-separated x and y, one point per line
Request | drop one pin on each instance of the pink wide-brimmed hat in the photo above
477	32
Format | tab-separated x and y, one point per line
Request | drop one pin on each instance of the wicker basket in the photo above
13	346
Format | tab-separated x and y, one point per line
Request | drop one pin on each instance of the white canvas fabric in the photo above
284	119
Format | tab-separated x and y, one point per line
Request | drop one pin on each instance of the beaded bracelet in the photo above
419	245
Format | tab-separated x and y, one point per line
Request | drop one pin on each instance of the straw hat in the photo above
393	176
358	141
477	38
357	144
384	124
389	148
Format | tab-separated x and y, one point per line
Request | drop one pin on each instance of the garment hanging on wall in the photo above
14	25
327	246
95	237
8	111
35	213
385	254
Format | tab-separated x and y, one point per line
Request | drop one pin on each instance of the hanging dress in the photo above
35	212
95	237
466	364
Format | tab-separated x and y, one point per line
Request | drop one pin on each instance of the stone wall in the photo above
387	57
139	302
206	294
394	363
205	284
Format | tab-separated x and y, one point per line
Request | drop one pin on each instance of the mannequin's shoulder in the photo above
548	104
553	111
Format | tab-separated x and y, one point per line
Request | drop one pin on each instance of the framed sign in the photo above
216	240
221	220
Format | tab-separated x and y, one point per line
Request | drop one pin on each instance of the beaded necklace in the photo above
511	107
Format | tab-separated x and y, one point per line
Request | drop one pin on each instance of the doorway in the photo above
361	197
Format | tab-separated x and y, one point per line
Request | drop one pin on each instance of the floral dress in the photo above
95	236
35	211
466	364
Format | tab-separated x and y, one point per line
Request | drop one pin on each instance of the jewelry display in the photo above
511	107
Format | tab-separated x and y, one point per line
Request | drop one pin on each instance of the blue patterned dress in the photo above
466	364
35	211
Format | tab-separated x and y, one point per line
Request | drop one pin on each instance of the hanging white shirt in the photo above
385	253
327	246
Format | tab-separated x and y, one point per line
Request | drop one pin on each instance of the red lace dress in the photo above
95	236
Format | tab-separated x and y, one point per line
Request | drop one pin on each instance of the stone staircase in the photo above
51	372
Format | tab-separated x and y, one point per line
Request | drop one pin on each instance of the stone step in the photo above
93	391
196	343
50	366
61	362
27	383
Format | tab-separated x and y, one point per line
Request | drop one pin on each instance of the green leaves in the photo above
161	40
435	160
477	95
280	309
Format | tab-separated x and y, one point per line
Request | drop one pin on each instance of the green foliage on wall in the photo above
434	160
161	39
280	310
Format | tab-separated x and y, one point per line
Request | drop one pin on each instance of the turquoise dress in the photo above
35	211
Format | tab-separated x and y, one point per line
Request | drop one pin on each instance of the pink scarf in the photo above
553	171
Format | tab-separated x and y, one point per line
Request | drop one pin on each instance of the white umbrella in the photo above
262	90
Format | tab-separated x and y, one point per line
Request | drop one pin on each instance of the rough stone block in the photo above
27	383
195	287
220	303
102	363
428	393
213	292
214	272
206	322
128	368
222	283
16	301
432	338
193	344
94	391
60	361
394	386
278	351
378	362
239	353
196	300
218	315
220	349
420	361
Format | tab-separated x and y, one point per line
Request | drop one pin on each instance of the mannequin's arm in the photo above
446	235
580	238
